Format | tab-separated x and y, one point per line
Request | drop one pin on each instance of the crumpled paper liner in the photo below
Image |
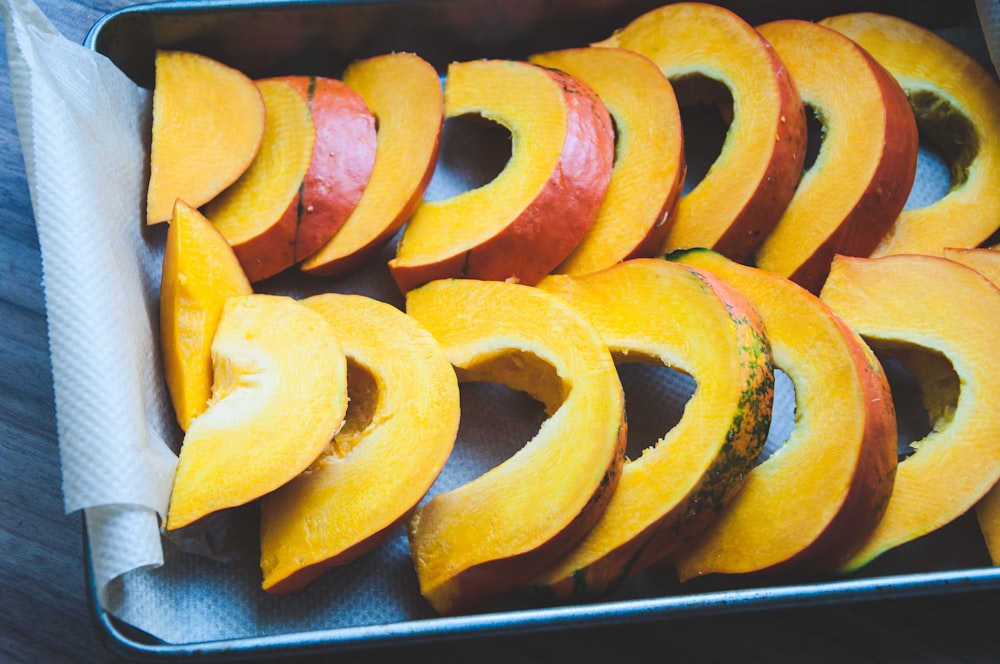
83	125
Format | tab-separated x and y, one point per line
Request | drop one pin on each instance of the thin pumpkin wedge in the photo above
648	172
987	263
808	506
701	47
907	301
208	124
956	102
486	538
681	484
199	273
399	429
246	444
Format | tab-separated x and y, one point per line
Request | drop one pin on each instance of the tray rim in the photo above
125	641
535	620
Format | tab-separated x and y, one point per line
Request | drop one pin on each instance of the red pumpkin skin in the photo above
342	160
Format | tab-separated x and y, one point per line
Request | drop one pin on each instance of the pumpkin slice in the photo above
491	535
809	505
746	190
528	219
649	167
259	214
400	427
851	195
278	397
208	124
901	302
200	272
403	92
341	163
957	105
987	263
681	483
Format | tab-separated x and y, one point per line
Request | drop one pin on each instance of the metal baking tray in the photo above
322	37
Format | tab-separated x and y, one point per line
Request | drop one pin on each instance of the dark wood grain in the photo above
44	614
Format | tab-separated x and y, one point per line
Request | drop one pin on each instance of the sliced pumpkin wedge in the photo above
987	263
279	394
259	213
399	430
809	505
489	536
200	272
650	310
208	124
956	102
906	301
403	92
649	166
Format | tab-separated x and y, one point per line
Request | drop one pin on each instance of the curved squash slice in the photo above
751	182
259	214
904	301
491	535
401	424
649	166
987	263
208	124
403	92
650	310
200	272
278	397
957	105
851	195
528	219
808	506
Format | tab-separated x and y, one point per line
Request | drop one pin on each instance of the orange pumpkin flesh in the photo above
678	486
809	505
848	199
957	105
200	271
908	301
648	172
987	263
258	214
490	536
341	162
526	221
208	124
246	444
748	187
399	430
403	92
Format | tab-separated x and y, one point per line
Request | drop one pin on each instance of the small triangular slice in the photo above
278	397
208	123
200	272
903	302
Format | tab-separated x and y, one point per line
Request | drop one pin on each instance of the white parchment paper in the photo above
83	125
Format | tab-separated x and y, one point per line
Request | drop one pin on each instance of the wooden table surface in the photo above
44	615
